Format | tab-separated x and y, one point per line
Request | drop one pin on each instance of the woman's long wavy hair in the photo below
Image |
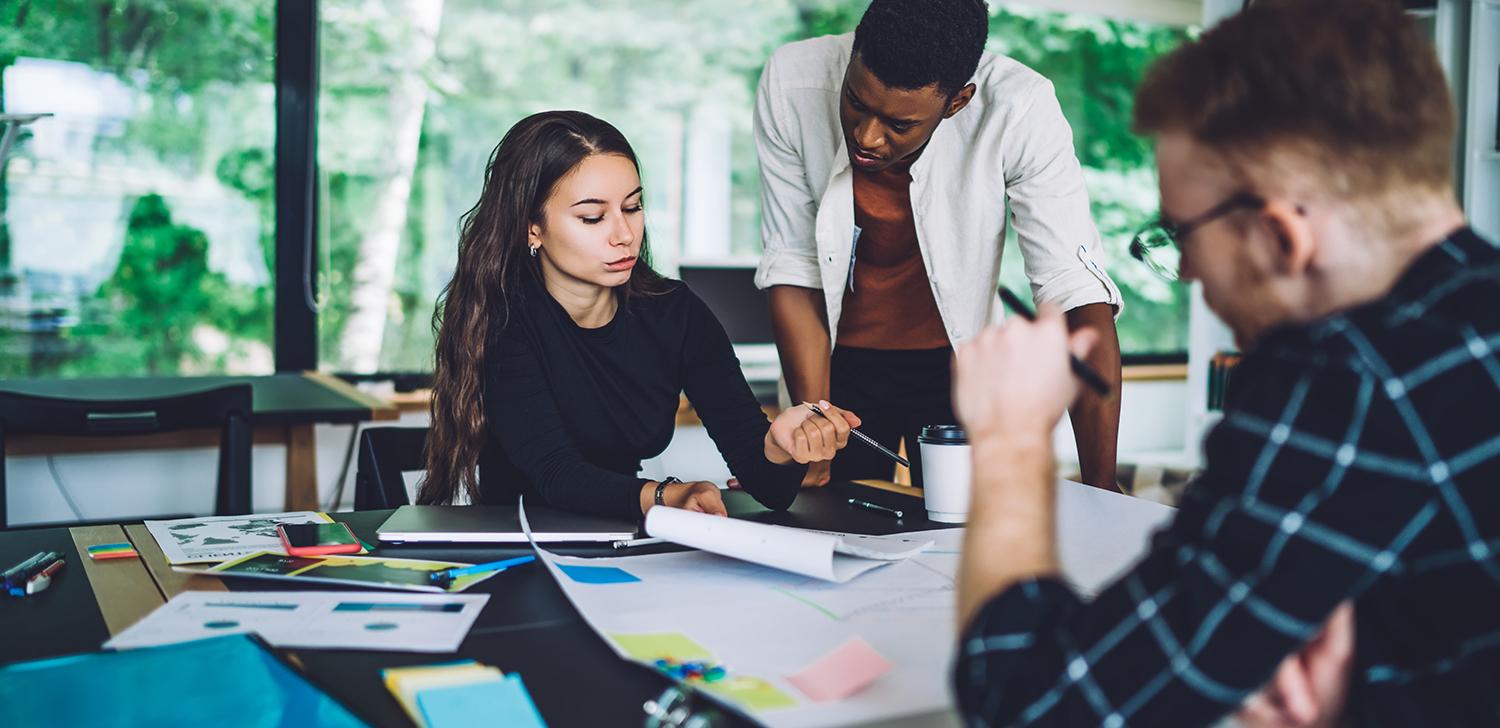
493	262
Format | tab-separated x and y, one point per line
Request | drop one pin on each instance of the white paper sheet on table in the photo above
822	555
221	538
770	624
329	620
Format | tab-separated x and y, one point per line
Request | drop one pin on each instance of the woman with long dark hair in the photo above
561	354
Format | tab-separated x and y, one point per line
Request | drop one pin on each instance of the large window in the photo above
136	221
1095	64
416	93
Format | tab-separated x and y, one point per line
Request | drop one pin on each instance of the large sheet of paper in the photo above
772	627
327	620
221	538
822	555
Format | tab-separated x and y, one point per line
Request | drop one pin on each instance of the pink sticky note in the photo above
841	673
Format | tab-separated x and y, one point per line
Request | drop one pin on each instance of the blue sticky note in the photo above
597	574
497	702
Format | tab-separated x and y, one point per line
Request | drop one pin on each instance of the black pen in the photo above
875	507
1084	371
866	439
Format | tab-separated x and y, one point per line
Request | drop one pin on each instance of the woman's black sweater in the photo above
571	412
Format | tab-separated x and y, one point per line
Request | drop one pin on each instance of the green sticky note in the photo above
751	692
668	645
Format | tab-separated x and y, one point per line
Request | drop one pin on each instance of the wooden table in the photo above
284	411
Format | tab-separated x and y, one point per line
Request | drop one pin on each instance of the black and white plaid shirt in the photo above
1359	459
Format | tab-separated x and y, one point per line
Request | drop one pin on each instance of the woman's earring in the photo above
534	249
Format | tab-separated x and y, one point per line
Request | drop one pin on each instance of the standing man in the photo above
887	158
1340	548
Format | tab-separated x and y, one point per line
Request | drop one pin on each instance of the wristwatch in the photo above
661	487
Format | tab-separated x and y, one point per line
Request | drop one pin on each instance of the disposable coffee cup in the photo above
945	472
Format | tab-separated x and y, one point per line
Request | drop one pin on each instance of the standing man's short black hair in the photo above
910	44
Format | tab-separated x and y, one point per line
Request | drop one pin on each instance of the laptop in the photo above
499	524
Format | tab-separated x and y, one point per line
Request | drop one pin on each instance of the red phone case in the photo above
325	550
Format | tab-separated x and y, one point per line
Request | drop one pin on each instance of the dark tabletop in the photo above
528	626
279	399
62	619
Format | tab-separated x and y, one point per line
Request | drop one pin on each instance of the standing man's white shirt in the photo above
1010	141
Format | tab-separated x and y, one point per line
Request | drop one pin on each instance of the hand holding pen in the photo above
862	437
1082	370
809	434
1012	383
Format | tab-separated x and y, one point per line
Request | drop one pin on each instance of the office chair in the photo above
225	408
384	454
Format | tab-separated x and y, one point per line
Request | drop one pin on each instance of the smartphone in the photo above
317	539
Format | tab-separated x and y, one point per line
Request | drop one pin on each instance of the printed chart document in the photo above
373	572
326	620
836	557
220	538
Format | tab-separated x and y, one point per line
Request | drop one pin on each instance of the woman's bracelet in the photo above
661	487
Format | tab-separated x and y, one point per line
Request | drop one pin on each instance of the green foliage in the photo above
201	68
162	285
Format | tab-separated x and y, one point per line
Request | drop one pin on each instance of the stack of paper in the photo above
460	694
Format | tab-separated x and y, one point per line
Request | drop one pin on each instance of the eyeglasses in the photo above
1159	242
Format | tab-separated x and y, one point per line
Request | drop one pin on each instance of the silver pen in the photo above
637	542
866	439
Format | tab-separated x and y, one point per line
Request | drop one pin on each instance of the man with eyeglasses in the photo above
1336	561
887	158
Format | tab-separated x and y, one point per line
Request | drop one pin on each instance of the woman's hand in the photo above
800	435
700	496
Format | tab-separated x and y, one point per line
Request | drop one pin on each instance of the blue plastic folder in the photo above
480	705
221	681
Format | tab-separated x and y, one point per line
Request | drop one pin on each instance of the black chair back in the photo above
226	409
384	454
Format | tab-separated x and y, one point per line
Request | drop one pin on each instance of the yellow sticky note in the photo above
668	645
751	692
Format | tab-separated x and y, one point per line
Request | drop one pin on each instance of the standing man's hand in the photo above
1096	418
1310	687
800	325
